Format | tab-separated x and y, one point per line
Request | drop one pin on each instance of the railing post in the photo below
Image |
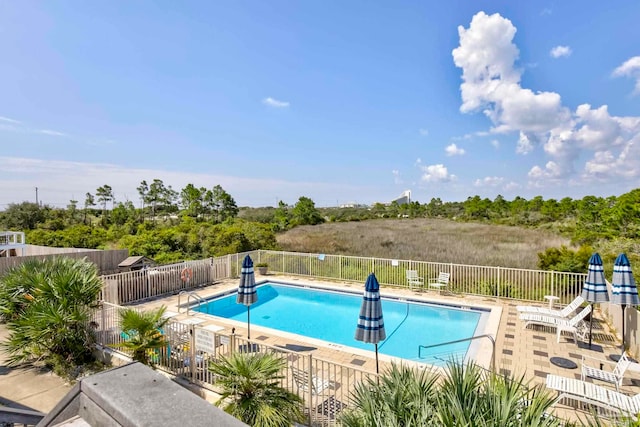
340	267
232	342
310	387
192	352
103	318
498	284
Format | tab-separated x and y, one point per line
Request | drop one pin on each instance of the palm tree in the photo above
467	395
48	306
252	381
143	331
400	397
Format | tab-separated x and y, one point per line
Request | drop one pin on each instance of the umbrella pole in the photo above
377	369
248	322
624	307
590	324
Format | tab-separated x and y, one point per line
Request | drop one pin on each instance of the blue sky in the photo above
339	101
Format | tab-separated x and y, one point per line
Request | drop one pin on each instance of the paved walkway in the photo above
33	389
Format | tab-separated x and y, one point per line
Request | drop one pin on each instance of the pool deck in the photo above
519	351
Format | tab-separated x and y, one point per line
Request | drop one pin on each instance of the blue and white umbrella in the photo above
370	323
623	287
247	293
595	286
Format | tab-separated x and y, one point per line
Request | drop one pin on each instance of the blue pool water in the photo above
332	316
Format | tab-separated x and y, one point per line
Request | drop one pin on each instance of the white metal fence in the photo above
497	282
325	387
132	286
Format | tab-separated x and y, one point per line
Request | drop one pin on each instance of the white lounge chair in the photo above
414	280
613	377
575	325
442	281
593	394
301	378
565	312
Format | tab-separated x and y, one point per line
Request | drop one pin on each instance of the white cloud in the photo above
436	173
51	132
424	132
454	150
8	120
551	171
630	68
58	181
511	186
491	83
396	177
271	102
560	51
546	11
488	181
495	143
524	144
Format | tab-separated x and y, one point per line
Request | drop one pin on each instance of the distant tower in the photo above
404	198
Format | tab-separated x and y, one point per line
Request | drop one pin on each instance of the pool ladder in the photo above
189	295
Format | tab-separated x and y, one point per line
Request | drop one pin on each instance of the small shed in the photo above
134	263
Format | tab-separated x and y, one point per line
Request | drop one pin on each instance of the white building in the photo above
12	243
404	198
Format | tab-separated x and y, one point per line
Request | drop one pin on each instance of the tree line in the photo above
199	222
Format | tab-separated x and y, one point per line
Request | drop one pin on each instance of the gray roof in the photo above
135	395
133	260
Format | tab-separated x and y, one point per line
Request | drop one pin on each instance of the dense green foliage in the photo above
143	333
465	396
47	305
200	222
251	390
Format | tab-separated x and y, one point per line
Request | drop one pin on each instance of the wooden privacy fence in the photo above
106	261
497	282
139	285
325	387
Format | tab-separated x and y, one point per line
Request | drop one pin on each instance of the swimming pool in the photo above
332	316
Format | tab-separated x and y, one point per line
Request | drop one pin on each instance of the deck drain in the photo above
358	362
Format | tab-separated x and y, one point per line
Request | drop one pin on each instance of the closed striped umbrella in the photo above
247	293
370	323
595	286
623	287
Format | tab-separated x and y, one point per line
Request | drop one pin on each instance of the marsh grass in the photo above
435	240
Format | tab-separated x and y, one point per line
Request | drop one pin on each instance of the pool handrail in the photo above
491	338
190	294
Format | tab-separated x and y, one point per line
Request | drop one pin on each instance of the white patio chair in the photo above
414	280
565	312
301	378
442	281
593	394
614	376
575	325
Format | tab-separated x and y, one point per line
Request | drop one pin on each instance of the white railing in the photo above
496	282
139	285
321	406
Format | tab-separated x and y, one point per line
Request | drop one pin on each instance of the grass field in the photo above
422	239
